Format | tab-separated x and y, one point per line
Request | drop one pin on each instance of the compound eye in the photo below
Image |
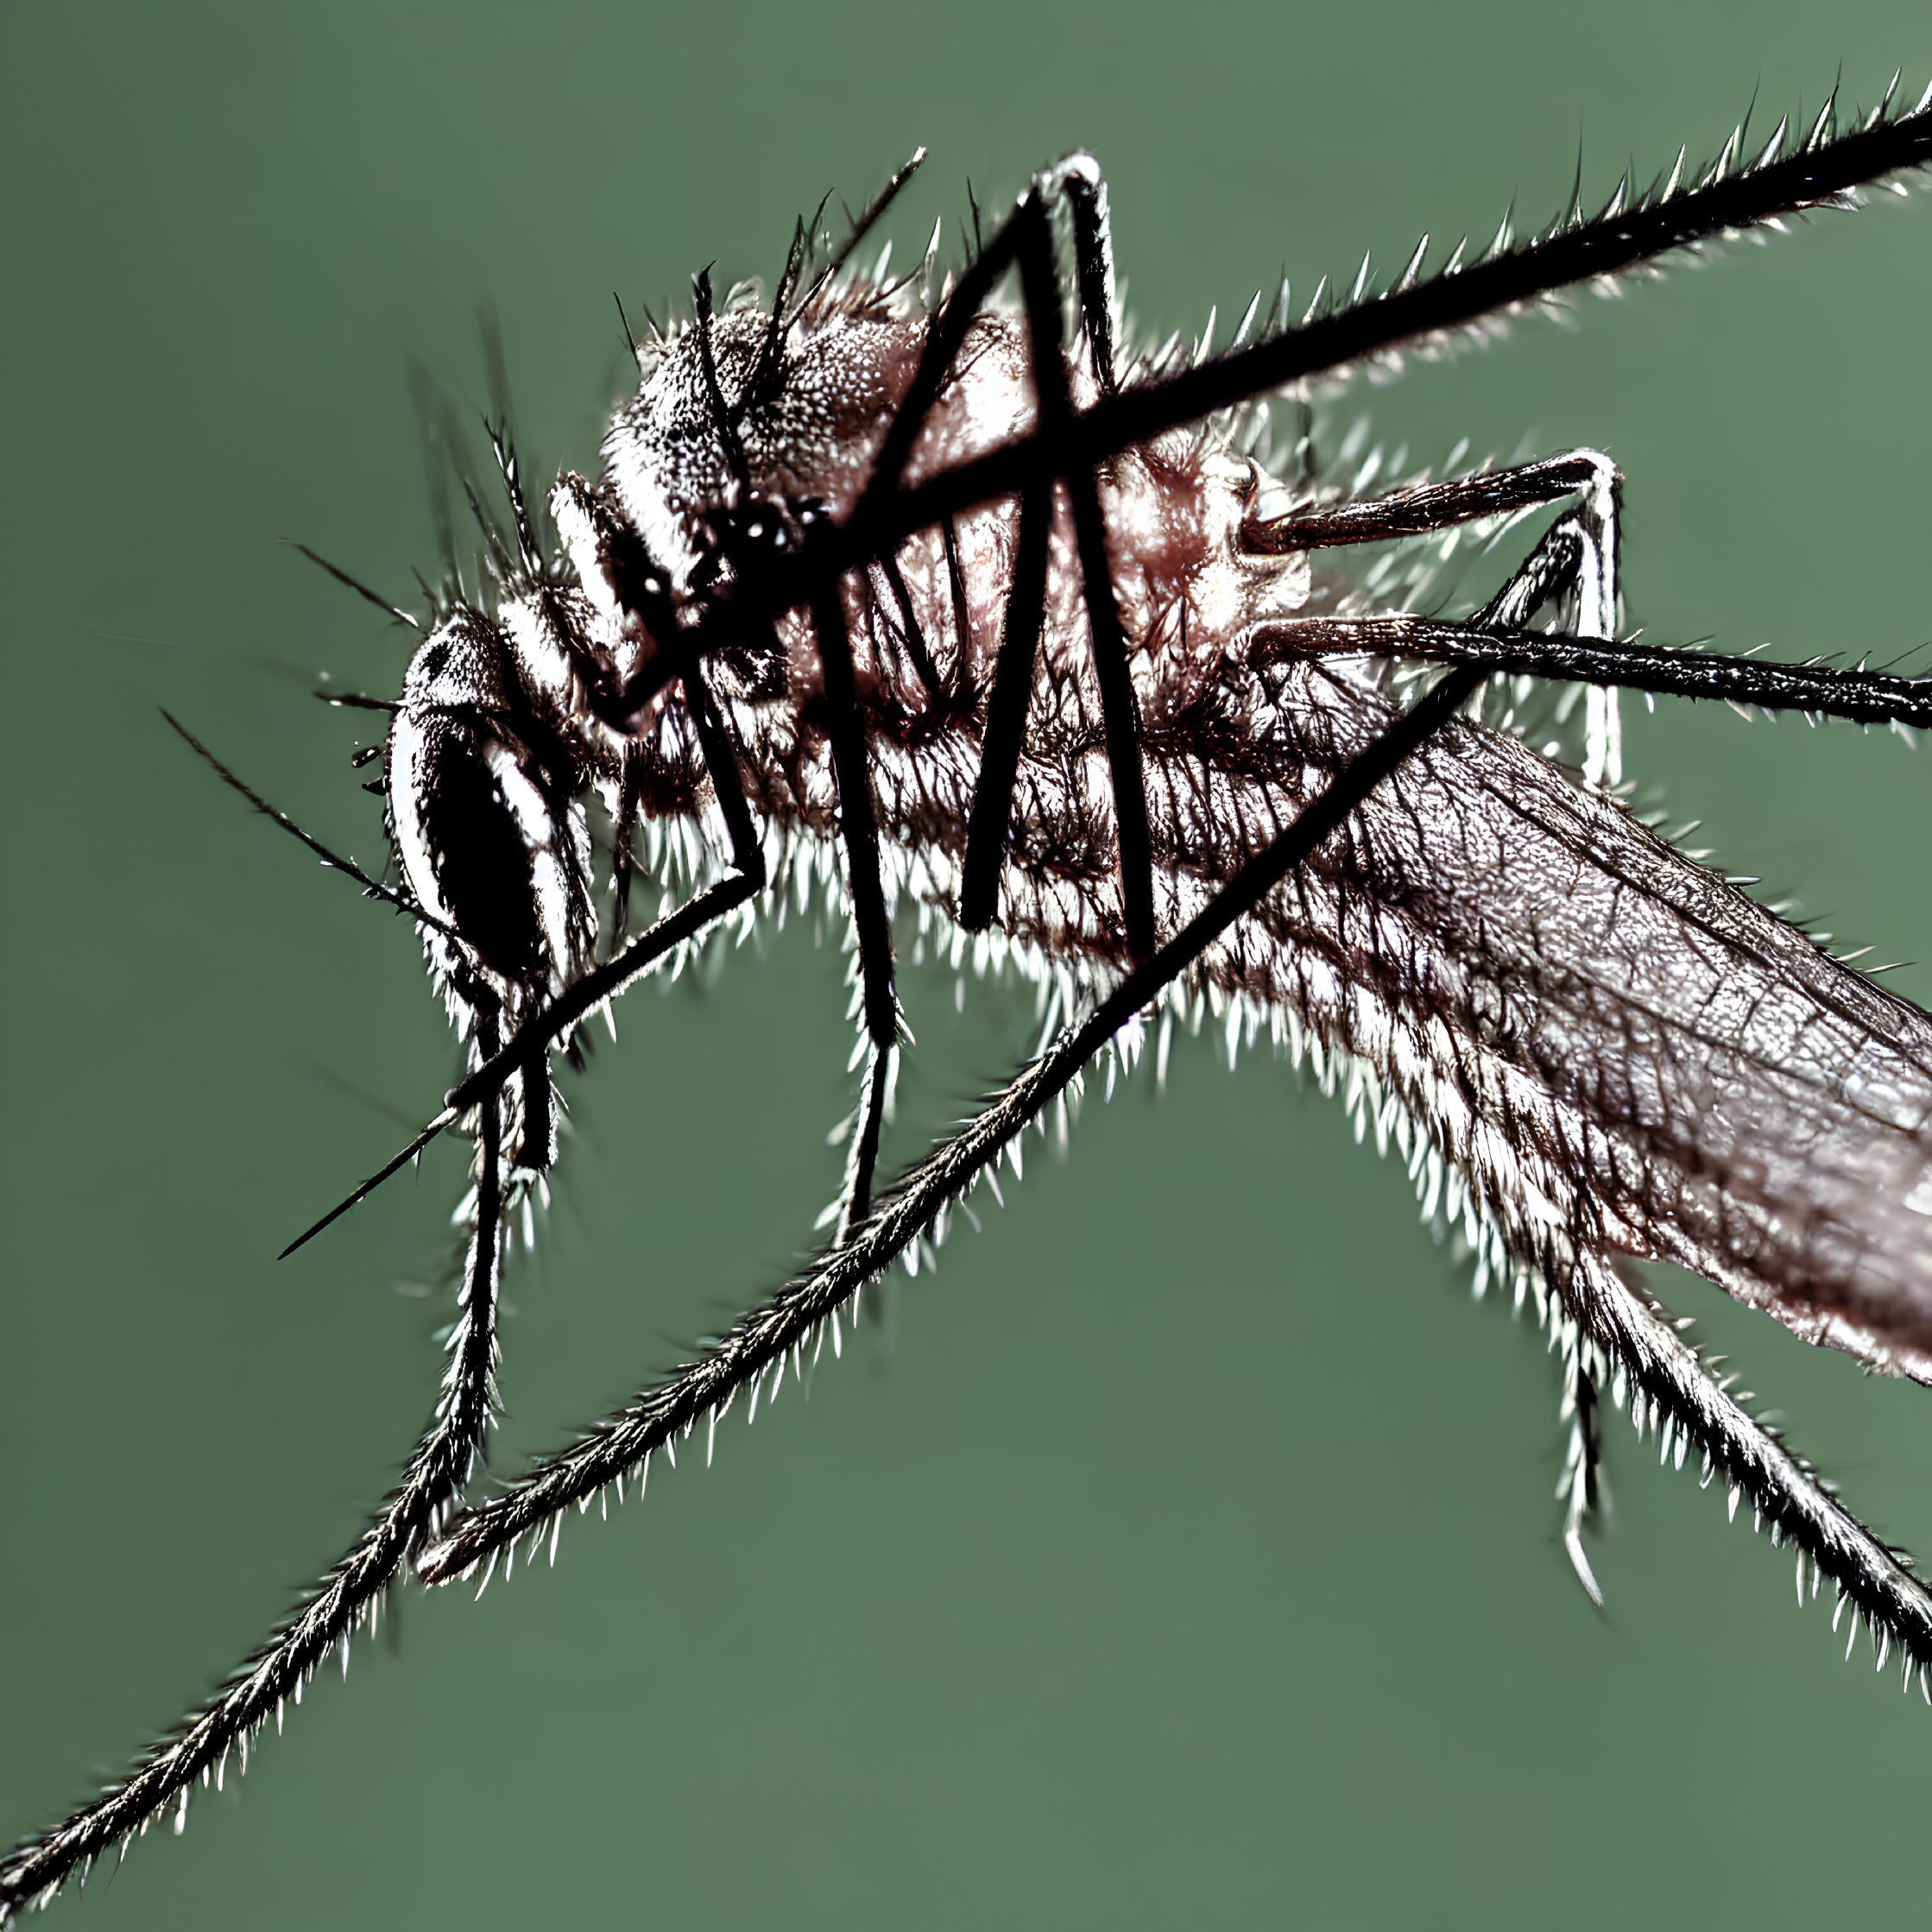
466	857
487	845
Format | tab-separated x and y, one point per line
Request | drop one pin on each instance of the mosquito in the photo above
940	602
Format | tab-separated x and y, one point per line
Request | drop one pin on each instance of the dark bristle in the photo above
355	584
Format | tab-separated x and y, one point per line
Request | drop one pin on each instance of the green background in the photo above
1184	1551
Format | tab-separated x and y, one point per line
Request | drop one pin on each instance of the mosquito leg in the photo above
1079	181
945	336
1587	574
871	917
858	823
1574	564
961	608
1026	240
1576	555
1120	713
1825	171
1670	1388
442	1464
928	673
855	1201
992	804
1580	1487
991	810
624	855
536	1146
1425	508
1550	572
1818	691
721	766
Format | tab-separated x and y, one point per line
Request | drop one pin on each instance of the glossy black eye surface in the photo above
473	851
481	807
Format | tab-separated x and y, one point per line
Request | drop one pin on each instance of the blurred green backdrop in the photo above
1185	1549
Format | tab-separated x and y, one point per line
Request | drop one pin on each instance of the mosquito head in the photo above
486	811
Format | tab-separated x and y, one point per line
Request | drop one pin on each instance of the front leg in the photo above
871	916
